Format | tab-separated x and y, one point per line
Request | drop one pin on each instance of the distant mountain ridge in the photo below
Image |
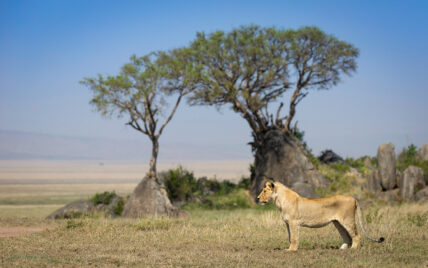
18	145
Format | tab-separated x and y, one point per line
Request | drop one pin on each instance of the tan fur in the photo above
297	211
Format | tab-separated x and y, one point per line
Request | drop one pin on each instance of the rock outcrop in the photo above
422	153
390	195
386	166
328	156
373	182
150	199
81	208
422	195
283	158
413	181
304	189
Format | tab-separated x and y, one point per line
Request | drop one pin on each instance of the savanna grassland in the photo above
251	237
216	238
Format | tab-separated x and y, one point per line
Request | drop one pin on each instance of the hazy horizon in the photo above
47	47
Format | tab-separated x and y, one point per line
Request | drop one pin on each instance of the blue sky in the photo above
47	47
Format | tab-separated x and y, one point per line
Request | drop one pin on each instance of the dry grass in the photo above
238	238
216	238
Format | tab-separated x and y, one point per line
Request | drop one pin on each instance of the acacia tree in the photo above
141	92
251	68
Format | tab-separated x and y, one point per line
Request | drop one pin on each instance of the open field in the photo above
254	237
82	172
238	238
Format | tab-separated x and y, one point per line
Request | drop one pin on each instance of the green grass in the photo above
238	198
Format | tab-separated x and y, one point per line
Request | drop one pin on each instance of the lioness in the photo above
299	211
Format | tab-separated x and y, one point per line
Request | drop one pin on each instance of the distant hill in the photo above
16	145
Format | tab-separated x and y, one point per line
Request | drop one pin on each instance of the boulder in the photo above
81	208
422	195
413	181
373	183
75	209
386	166
399	178
422	153
282	157
114	209
328	156
150	199
391	195
304	189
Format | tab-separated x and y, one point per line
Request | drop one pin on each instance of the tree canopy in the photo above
142	89
251	67
248	68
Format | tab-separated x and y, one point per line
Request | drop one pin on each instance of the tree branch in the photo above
171	115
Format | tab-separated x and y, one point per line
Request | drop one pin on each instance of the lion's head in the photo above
266	193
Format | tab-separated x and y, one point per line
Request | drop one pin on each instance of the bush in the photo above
244	183
408	158
219	188
180	183
361	165
341	168
300	134
355	163
103	198
237	198
118	209
335	174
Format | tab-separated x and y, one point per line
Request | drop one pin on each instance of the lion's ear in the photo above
269	184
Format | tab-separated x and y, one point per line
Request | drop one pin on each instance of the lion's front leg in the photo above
288	230
294	229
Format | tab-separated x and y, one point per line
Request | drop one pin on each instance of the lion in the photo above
297	211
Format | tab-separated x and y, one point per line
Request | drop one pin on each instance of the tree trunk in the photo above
282	157
150	197
155	150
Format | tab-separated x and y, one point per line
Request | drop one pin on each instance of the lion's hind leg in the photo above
347	240
351	228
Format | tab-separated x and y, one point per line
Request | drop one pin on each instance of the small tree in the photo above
252	67
142	91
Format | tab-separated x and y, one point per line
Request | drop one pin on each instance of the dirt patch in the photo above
19	230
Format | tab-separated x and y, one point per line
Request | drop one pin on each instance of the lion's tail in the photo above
360	219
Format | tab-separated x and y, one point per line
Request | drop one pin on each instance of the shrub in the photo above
335	174
340	167
244	183
103	198
360	164
408	158
355	163
118	209
300	134
314	160
226	187
180	183
237	198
